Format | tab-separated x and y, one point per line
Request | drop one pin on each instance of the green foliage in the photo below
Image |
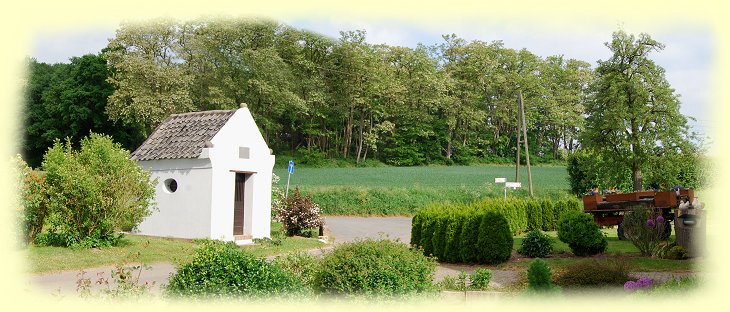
416	224
469	239
645	229
452	248
480	279
33	200
677	253
374	267
539	276
582	235
536	245
594	272
458	283
534	215
299	264
633	117
224	270
93	193
298	213
495	239
549	222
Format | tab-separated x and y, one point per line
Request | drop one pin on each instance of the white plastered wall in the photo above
186	212
240	131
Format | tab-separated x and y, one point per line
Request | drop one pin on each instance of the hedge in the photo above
456	233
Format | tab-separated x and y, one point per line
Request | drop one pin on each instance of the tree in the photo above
93	192
633	116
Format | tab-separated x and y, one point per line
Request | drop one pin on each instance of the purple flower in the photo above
644	282
660	219
650	223
630	286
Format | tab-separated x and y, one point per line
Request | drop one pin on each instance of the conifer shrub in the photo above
470	238
536	245
534	214
548	215
416	223
452	246
439	235
582	235
539	276
494	244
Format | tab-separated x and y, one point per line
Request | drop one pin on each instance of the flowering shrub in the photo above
33	200
641	283
298	213
645	230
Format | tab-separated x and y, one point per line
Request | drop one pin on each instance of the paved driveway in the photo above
348	229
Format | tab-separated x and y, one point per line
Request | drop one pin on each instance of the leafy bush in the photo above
299	213
677	253
539	276
224	270
93	192
374	267
594	272
582	235
536	245
495	239
480	279
458	283
645	230
300	264
33	200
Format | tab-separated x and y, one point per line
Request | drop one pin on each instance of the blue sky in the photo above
687	58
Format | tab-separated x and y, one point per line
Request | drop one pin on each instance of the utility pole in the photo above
519	130
527	148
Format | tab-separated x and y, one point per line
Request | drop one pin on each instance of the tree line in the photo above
452	102
318	97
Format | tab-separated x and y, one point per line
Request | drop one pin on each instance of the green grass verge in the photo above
391	191
146	249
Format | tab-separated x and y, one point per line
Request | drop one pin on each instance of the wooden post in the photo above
519	130
527	148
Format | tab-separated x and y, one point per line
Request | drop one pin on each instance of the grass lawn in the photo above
622	250
147	250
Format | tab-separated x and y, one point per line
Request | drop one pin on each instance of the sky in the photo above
687	58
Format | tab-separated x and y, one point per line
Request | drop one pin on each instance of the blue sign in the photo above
291	167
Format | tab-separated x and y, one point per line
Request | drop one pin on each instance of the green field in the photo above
404	190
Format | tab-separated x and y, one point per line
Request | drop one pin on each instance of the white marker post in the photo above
513	185
290	169
502	180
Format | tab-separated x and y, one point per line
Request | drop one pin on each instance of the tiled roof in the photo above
182	135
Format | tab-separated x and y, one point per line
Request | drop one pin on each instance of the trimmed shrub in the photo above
582	235
548	215
439	235
534	215
224	270
93	193
539	276
594	272
536	245
480	279
495	239
470	238
416	224
374	267
453	238
428	226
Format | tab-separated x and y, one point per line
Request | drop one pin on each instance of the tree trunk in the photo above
636	175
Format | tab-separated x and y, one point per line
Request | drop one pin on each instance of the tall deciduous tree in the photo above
633	117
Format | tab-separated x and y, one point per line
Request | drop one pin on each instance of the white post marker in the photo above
513	185
290	170
502	180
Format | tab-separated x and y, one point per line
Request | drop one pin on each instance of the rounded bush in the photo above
582	235
677	253
374	267
536	245
480	279
495	239
224	270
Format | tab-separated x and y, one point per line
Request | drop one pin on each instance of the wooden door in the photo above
238	200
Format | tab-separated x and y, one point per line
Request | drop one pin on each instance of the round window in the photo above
170	185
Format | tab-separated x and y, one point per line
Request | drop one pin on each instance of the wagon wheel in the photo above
620	231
